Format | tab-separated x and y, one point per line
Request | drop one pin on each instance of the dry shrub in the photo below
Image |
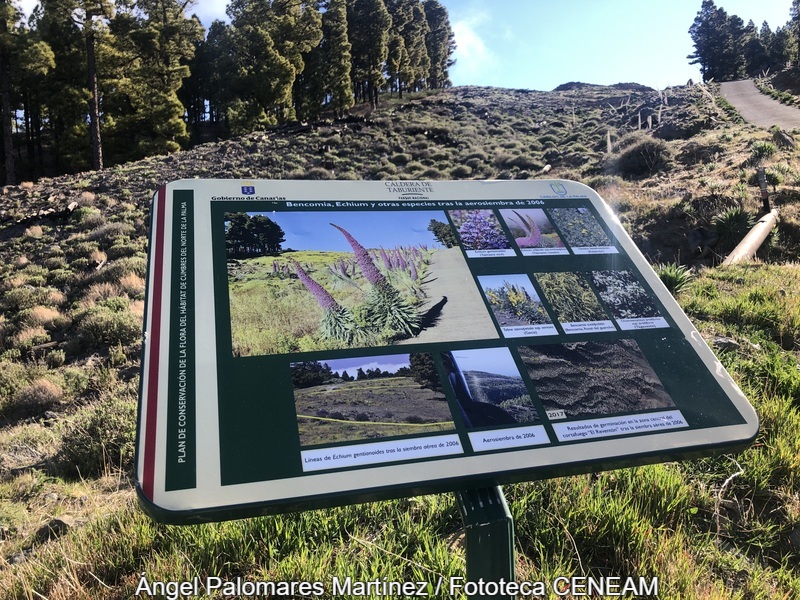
132	284
108	231
30	336
98	292
98	256
55	297
87	199
35	232
137	308
40	393
21	261
44	316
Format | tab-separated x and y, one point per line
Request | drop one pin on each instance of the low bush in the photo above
39	395
639	154
107	325
99	438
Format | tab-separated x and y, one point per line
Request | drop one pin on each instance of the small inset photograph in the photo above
533	232
582	231
629	302
516	305
480	233
574	303
489	388
367	398
320	281
594	378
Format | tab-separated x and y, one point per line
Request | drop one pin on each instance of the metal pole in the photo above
489	530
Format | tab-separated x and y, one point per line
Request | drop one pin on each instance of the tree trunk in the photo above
94	102
7	113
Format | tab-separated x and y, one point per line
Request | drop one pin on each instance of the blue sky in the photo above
313	230
489	360
540	44
384	363
494	282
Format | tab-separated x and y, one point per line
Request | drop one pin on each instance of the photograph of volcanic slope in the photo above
594	378
489	388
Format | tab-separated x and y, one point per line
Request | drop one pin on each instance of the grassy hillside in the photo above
678	166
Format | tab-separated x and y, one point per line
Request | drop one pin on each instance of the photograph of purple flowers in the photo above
533	232
307	281
489	388
582	231
481	234
368	397
593	378
516	305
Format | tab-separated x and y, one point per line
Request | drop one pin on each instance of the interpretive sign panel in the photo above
318	343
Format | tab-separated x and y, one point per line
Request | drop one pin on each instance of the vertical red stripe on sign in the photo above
154	342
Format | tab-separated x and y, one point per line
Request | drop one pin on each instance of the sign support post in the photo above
489	530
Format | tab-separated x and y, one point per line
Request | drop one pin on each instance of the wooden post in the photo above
762	182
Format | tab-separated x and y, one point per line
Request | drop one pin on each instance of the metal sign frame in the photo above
226	428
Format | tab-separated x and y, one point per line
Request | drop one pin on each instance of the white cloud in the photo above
473	57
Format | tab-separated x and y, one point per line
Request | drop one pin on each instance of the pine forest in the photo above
93	83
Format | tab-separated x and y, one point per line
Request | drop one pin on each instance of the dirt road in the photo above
757	108
456	301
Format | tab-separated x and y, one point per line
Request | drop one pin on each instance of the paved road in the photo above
451	288
758	108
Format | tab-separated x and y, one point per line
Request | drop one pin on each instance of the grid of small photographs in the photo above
501	396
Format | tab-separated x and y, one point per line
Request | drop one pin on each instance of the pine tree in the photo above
756	56
415	34
165	41
783	50
718	41
9	53
368	26
60	25
337	56
398	62
441	44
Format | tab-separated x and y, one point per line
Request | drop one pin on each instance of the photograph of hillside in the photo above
306	281
367	398
489	388
593	379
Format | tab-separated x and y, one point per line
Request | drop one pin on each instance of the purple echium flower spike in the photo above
401	262
364	260
413	271
385	259
323	298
